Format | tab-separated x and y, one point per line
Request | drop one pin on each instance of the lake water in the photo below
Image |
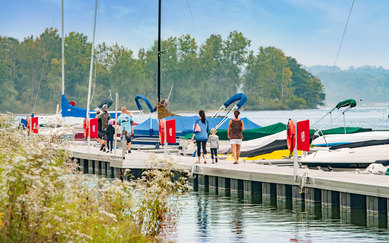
369	117
212	218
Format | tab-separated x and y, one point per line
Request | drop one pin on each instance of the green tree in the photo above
306	85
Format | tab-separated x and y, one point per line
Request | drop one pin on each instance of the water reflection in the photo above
202	216
214	218
237	224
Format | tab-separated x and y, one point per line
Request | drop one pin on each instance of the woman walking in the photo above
200	130
234	132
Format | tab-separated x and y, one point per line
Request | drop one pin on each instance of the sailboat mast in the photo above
159	51
91	71
63	53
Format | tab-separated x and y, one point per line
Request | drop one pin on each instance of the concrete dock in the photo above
337	194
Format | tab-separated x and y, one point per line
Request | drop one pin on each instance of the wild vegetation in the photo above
44	199
202	75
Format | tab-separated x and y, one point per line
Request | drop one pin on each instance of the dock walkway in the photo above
348	191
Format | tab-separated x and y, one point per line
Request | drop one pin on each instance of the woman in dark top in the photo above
234	133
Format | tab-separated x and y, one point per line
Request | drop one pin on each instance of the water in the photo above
212	218
367	117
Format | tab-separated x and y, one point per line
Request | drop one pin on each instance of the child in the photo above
110	133
213	144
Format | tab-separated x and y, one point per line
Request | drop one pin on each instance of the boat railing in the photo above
318	131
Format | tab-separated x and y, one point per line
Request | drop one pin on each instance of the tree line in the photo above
366	83
199	76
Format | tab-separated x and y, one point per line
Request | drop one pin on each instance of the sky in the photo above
308	30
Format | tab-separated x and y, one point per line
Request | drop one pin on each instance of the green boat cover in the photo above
250	134
340	130
351	102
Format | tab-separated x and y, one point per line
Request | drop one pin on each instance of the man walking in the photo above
126	129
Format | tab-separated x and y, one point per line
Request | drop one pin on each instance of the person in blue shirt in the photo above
201	130
126	129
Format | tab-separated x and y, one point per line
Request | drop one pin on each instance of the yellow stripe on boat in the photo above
278	154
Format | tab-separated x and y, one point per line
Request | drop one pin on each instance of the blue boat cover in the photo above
184	125
239	96
72	111
141	97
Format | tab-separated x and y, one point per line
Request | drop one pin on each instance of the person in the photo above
201	129
234	133
105	117
213	144
100	132
110	133
126	129
28	125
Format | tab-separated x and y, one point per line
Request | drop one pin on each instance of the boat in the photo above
338	139
357	157
184	124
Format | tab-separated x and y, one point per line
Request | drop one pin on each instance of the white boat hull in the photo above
359	157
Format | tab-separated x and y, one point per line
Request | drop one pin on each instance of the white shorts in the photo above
235	141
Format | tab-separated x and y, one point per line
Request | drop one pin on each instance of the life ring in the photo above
161	131
86	128
291	135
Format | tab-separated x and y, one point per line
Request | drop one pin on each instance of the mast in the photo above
159	51
90	72
63	53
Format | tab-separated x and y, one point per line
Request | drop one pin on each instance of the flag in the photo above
35	125
303	135
171	131
94	123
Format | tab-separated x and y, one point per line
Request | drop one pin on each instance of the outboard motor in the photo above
108	101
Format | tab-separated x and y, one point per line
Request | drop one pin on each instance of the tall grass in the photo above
44	199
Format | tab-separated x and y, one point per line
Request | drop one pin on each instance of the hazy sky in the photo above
309	30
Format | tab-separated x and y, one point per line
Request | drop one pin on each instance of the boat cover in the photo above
184	125
73	111
250	134
340	130
361	144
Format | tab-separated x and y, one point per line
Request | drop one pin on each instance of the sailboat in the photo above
68	108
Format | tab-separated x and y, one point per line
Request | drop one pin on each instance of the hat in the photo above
111	122
105	106
97	109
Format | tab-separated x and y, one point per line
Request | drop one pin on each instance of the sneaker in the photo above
107	151
129	151
104	149
101	147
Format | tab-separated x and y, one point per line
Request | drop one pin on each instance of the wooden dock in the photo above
337	193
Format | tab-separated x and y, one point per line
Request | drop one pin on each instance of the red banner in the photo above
35	125
171	131
94	123
303	142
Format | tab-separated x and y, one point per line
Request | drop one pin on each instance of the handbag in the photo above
196	127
